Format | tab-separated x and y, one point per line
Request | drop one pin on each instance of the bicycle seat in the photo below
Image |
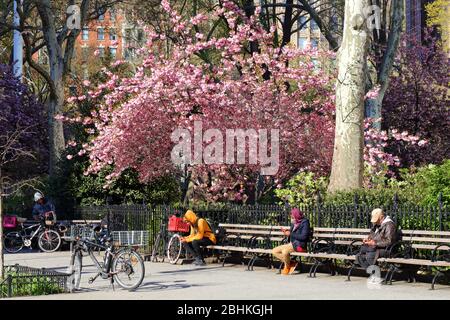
21	220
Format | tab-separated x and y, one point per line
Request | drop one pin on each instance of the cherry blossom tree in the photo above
134	117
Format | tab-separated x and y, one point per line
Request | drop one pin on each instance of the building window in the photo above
101	17
113	52
112	35
100	34
85	34
302	42
129	53
140	35
314	25
101	52
303	23
314	43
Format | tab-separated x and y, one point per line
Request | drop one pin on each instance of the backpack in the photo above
219	232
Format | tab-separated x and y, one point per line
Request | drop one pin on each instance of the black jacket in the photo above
300	237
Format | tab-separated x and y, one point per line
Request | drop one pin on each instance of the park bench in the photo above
257	241
414	247
252	240
420	248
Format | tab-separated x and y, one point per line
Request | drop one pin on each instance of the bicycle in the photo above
160	245
48	239
118	265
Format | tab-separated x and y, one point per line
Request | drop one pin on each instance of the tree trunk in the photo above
385	68
56	130
348	164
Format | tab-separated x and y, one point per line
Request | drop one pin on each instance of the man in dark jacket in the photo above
298	237
42	207
382	235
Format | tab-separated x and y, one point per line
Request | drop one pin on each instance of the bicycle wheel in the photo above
13	242
75	267
128	269
174	249
49	241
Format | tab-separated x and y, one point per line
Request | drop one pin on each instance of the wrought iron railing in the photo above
27	281
146	217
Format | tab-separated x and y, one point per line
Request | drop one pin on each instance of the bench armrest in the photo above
434	255
408	252
330	246
350	247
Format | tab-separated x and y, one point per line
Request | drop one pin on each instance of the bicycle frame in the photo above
24	234
89	247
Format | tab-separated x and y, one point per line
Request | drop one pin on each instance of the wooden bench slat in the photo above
350	230
341	236
425	240
256	232
417	262
250	226
424	232
429	247
258	238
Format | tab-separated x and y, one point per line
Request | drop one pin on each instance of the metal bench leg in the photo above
394	270
254	260
250	263
436	277
311	269
331	267
388	273
349	274
315	269
227	255
411	277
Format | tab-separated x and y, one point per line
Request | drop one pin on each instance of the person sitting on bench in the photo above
298	236
381	236
201	235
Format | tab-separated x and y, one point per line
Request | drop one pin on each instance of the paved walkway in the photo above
169	282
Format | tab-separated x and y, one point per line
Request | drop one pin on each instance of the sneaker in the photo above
285	270
293	266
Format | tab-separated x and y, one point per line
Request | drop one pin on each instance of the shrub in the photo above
415	186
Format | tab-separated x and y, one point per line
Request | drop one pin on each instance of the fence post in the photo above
440	211
355	211
9	285
286	213
319	212
395	209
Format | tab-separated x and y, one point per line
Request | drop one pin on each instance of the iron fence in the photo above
27	281
150	218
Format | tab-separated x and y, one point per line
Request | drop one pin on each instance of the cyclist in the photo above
42	207
201	235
